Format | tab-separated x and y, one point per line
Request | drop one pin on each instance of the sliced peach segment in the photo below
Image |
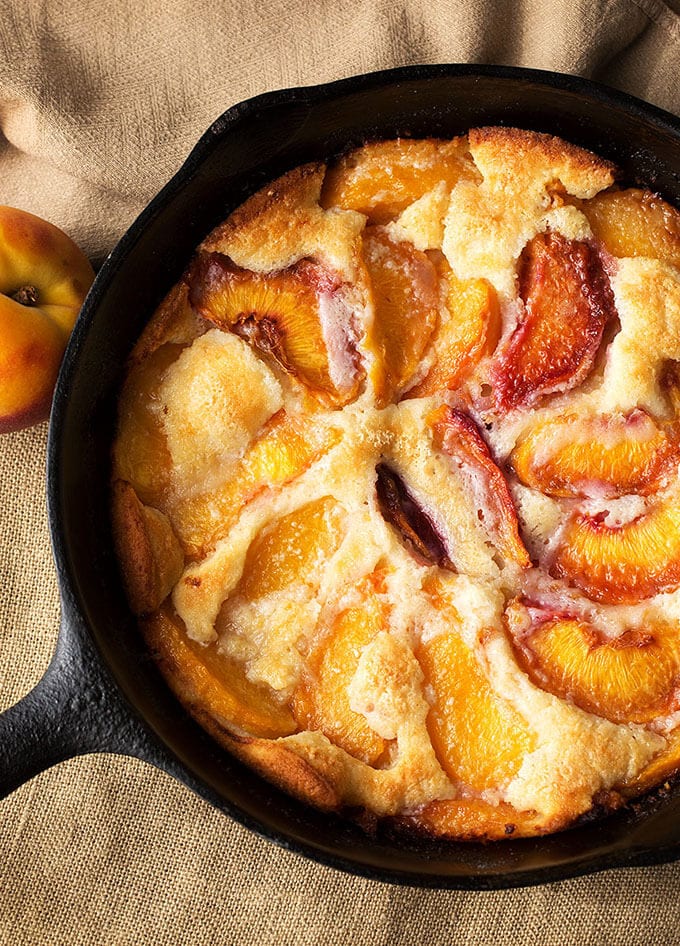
141	452
383	178
622	564
212	683
322	701
286	447
469	328
293	549
405	293
635	222
609	455
295	317
629	679
413	525
568	302
471	819
457	435
478	737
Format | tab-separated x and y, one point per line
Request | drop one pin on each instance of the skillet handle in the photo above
74	709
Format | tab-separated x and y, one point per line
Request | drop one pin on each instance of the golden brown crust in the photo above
148	551
513	146
286	195
284	223
286	769
174	322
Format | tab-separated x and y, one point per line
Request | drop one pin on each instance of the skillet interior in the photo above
251	144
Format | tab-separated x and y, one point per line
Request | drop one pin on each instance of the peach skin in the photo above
44	279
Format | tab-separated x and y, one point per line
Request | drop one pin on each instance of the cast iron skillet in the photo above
101	691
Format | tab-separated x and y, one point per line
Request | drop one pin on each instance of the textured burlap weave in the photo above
99	104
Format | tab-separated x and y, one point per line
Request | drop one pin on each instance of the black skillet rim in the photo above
224	125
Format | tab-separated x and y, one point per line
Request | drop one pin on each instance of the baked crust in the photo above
375	598
148	551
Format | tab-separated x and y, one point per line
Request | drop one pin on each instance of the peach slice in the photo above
629	679
383	178
473	819
635	222
413	525
294	317
287	446
211	683
141	453
568	302
606	456
321	702
405	293
457	435
292	549
469	328
479	738
622	564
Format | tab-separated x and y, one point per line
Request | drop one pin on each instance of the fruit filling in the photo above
567	303
632	678
296	317
479	738
396	485
405	294
598	456
622	564
216	682
382	179
469	328
457	435
635	222
285	447
322	701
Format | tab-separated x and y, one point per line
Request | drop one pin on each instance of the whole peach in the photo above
44	279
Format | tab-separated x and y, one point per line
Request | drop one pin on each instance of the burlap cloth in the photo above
99	104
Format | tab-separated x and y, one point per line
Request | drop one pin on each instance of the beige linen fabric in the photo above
99	104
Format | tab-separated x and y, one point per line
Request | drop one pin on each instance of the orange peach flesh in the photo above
469	329
285	448
279	314
473	819
621	564
629	679
321	702
213	683
382	179
568	302
405	294
291	550
633	223
457	435
479	739
607	456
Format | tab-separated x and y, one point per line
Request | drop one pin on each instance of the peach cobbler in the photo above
396	486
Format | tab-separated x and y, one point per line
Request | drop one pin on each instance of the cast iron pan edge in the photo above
101	691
